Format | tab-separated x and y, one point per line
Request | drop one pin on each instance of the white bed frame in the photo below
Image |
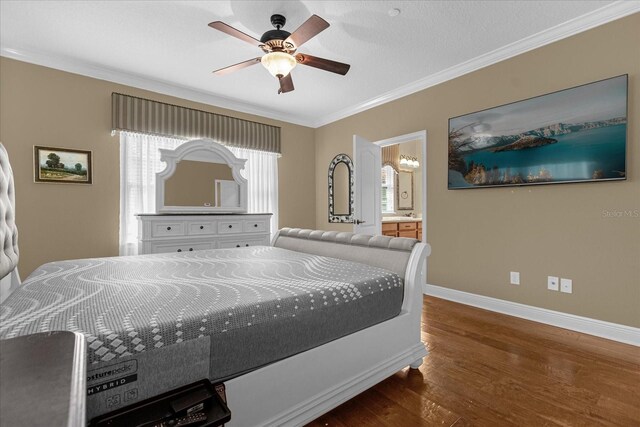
9	277
300	388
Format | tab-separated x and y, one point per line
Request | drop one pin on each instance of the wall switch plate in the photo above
515	278
566	286
552	283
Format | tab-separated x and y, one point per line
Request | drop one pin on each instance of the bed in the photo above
293	329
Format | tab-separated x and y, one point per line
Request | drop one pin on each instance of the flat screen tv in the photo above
573	135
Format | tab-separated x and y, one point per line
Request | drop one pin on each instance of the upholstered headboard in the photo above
8	229
391	253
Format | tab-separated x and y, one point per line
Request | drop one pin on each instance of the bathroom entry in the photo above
401	190
390	186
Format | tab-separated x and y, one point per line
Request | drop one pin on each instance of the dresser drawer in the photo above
180	232
229	227
166	229
406	226
389	226
242	243
158	248
257	226
407	233
196	228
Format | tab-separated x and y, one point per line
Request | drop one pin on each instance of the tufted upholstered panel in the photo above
391	253
8	229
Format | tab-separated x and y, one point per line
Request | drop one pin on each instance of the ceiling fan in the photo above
279	47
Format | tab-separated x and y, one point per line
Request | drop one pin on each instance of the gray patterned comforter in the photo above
128	305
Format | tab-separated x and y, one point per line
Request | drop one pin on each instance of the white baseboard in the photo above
599	328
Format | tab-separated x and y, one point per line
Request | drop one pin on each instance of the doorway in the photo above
368	186
368	183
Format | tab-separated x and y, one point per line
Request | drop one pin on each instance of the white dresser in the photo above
159	233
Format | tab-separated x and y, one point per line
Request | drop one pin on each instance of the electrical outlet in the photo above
515	278
566	286
552	283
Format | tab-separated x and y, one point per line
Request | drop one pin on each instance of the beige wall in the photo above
478	236
42	106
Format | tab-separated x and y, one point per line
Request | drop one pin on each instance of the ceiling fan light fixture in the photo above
279	64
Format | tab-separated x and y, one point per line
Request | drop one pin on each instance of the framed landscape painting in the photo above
62	165
573	135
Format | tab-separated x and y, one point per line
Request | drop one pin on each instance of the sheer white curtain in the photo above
140	161
261	171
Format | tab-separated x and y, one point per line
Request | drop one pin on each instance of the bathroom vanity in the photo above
402	227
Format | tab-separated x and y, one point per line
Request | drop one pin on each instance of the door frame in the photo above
420	136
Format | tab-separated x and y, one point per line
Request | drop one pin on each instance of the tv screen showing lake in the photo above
574	135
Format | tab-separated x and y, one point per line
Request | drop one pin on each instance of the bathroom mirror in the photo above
404	193
201	176
341	189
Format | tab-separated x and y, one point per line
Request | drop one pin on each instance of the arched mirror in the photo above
201	176
341	189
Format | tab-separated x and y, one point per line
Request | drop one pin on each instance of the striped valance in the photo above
133	114
391	156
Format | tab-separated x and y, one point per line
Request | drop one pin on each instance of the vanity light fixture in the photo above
409	161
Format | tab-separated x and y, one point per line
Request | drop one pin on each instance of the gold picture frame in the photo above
62	165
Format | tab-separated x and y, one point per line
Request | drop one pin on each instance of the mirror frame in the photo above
201	150
398	208
341	158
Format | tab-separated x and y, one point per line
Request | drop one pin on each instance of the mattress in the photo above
156	322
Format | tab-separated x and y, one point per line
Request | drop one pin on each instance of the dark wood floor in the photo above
489	369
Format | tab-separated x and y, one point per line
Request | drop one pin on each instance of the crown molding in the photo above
141	82
593	19
603	15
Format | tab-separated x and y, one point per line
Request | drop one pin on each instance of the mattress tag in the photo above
150	373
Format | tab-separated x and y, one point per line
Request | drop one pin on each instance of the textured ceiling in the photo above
170	42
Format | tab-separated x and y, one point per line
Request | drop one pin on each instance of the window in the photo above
140	161
388	190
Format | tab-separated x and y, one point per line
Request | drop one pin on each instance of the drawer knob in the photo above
202	227
179	250
168	228
237	246
230	226
190	249
255	225
247	245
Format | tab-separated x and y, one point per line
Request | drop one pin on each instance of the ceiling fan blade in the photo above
235	67
309	29
228	29
323	64
286	84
